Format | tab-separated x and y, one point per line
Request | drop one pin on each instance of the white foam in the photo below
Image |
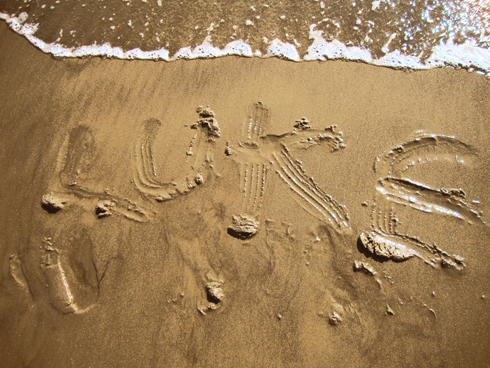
284	50
323	50
17	24
467	55
239	48
398	60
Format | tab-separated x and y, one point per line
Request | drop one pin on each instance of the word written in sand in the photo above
259	154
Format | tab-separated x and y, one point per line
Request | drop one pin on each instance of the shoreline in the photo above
446	54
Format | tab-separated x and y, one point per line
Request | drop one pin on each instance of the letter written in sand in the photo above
395	188
259	152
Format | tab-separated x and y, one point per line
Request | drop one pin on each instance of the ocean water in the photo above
413	34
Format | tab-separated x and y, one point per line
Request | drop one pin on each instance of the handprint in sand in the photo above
260	153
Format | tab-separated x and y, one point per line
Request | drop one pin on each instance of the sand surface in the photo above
141	231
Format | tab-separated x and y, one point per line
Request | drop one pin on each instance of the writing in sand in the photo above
259	156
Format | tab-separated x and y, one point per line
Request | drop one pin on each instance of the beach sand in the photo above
137	234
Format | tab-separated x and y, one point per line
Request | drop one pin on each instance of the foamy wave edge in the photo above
466	55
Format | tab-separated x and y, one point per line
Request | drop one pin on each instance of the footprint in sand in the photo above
395	188
72	283
260	152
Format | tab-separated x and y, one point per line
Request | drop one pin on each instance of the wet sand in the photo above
140	231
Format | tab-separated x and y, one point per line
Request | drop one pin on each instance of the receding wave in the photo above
416	34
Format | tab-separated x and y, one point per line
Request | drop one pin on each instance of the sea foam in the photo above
445	54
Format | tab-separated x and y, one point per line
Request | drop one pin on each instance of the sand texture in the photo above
241	212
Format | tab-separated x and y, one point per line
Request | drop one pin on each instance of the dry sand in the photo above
107	263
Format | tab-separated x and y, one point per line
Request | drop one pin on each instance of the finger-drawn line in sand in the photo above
15	268
69	290
199	156
75	155
392	188
260	151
